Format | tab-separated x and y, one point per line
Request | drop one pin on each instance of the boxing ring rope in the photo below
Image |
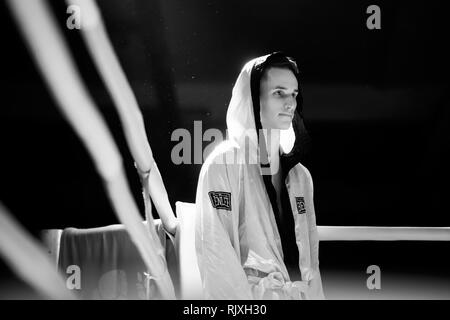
341	233
33	264
54	61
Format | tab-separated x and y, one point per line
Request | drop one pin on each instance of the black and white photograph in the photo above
224	150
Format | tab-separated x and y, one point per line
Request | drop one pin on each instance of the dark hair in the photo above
278	60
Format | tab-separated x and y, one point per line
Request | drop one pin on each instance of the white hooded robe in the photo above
238	245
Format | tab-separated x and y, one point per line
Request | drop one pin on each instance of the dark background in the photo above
376	106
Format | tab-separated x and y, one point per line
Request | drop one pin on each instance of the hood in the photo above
243	116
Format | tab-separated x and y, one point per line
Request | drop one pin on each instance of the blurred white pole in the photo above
29	260
332	233
108	65
55	64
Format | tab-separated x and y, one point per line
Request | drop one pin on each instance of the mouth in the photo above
286	115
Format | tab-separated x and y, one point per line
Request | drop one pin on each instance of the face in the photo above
278	92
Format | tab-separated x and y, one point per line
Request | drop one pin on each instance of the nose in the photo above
290	104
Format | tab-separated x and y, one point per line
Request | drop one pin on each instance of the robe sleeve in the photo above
217	233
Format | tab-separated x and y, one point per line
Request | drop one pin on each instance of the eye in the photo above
278	93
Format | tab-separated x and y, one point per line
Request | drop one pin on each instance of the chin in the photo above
284	126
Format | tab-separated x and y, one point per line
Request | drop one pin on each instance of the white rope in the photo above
27	259
334	233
